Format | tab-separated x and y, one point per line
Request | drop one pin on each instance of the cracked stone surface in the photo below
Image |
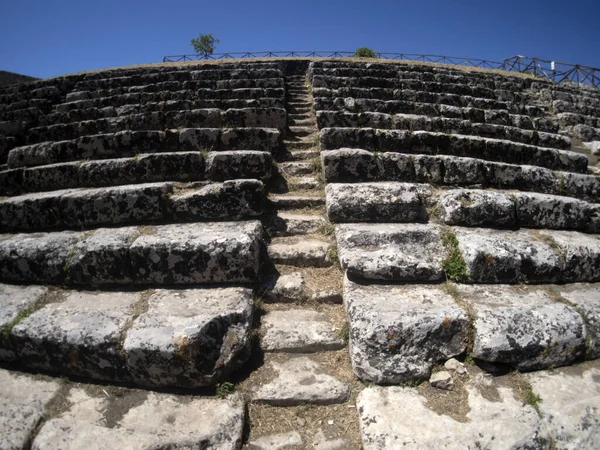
299	381
286	288
398	333
197	253
80	335
476	208
190	337
36	258
13	300
232	199
377	202
586	299
570	406
398	252
498	256
149	420
299	252
23	400
299	331
524	327
399	418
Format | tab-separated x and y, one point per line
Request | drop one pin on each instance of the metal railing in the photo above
556	71
553	70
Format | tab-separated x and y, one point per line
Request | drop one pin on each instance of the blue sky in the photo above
54	37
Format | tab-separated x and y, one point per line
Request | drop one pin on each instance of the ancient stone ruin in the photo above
328	254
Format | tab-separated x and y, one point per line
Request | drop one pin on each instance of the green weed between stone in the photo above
224	389
7	328
454	265
344	333
532	399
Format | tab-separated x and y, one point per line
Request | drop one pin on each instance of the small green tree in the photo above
205	44
365	52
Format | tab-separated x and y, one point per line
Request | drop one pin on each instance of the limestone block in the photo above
189	338
228	165
471	207
399	252
397	333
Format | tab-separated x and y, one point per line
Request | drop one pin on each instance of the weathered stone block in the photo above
497	256
233	199
399	252
524	327
78	336
398	333
115	205
36	258
550	211
347	165
377	202
190	338
228	165
226	252
477	207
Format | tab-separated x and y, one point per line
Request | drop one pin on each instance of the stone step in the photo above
164	98
111	417
150	338
199	118
420	142
302	131
296	168
407	202
131	143
413	96
296	201
214	253
418	252
545	256
289	224
492	128
418	326
474	207
303	155
299	380
304	183
309	121
299	331
174	114
300	144
145	168
288	284
356	165
299	251
555	414
137	203
378	202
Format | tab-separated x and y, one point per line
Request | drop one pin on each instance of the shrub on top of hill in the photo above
365	52
205	44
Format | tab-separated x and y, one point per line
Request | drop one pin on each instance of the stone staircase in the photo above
297	254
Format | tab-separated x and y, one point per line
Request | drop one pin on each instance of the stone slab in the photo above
36	258
570	403
397	333
524	327
15	300
218	252
236	164
299	331
377	202
159	421
586	299
470	207
300	380
23	400
189	338
78	336
231	200
399	418
300	252
289	224
580	253
498	256
398	252
286	288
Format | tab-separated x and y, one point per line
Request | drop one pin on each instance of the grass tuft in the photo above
454	265
224	389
